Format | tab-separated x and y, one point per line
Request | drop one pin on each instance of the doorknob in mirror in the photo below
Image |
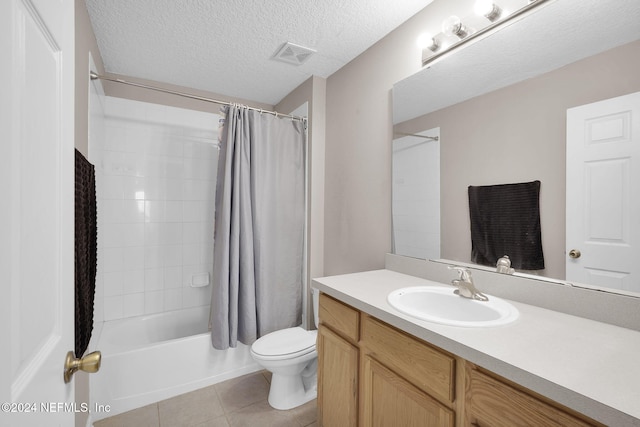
89	363
574	253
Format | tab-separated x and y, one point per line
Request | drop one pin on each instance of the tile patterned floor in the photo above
240	402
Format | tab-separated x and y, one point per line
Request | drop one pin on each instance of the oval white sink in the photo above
440	305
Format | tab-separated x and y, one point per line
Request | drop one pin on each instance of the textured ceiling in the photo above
226	46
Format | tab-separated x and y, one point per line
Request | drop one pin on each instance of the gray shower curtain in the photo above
259	227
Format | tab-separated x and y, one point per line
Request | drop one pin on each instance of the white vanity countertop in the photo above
589	366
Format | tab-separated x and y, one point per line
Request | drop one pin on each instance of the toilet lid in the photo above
286	342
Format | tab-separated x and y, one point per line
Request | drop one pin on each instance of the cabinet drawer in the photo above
340	317
428	368
389	400
491	402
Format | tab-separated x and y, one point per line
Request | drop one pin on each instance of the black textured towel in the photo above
85	251
505	220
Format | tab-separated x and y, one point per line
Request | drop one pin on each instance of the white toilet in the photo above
291	356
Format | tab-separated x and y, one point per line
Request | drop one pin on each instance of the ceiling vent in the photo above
293	54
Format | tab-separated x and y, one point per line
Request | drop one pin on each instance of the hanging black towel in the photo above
505	220
85	251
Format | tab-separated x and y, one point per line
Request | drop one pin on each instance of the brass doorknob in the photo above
574	253
89	363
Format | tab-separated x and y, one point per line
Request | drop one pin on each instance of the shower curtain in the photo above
259	227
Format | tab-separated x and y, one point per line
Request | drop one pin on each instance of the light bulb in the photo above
452	26
488	9
427	41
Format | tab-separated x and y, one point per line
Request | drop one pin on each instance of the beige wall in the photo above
313	91
358	145
517	134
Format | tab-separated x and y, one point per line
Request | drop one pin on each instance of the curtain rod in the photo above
95	76
433	138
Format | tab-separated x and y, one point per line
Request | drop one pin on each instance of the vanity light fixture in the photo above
488	9
453	26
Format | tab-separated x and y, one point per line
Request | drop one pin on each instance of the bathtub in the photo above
154	357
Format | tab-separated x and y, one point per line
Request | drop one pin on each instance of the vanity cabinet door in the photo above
388	400
337	380
491	402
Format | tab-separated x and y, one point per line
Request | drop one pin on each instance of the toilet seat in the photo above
285	344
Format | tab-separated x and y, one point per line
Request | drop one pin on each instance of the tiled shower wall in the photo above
155	180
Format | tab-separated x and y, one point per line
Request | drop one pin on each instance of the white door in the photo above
36	211
603	193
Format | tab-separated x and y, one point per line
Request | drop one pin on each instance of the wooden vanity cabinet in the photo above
403	381
338	335
372	374
494	401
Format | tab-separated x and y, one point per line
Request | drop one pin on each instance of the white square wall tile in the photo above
133	258
133	187
173	255
113	259
133	234
153	279
175	147
133	282
133	305
174	189
112	187
194	211
113	283
115	137
154	210
133	211
153	302
111	235
195	297
155	188
152	234
113	308
193	254
174	167
172	299
192	232
173	211
138	139
173	277
153	256
171	233
110	211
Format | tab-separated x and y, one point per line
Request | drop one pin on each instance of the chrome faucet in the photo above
465	285
504	265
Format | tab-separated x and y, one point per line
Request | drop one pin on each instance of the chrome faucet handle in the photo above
464	273
466	288
504	265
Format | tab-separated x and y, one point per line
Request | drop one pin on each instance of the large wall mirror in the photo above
501	103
